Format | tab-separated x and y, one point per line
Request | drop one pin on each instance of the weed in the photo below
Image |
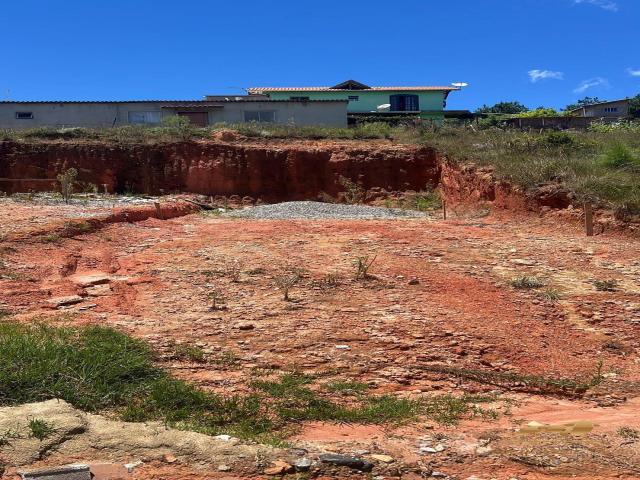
227	359
192	353
217	299
40	429
550	295
233	269
353	193
51	238
629	433
526	283
619	156
606	285
330	280
67	181
347	387
363	264
6	437
286	281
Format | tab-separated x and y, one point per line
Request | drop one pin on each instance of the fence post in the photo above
588	219
444	209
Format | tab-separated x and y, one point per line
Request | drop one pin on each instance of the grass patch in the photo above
347	387
629	433
40	429
606	285
550	295
192	353
98	369
526	283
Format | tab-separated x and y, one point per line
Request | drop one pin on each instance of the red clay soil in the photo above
440	295
270	171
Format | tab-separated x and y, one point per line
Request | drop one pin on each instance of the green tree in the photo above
503	107
583	102
634	106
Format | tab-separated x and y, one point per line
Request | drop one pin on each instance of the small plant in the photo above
40	429
606	285
180	127
67	181
550	295
353	193
347	387
363	264
227	359
233	269
6	437
629	433
330	280
286	281
526	283
217	299
192	353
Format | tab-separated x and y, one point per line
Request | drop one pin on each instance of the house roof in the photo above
600	103
172	103
258	90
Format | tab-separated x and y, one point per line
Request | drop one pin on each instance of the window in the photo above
24	115
354	98
260	116
144	117
300	99
610	109
404	103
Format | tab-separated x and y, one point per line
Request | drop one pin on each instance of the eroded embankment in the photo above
272	172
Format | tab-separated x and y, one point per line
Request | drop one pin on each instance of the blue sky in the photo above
540	52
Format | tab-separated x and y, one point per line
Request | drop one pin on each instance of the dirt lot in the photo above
439	314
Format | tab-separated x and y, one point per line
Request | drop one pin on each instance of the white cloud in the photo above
537	75
604	4
592	82
633	73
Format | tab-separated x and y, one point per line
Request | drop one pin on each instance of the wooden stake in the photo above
158	210
444	210
588	219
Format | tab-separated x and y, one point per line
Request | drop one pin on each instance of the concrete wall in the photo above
600	110
330	114
107	114
368	100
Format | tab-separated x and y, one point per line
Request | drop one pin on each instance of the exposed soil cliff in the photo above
272	171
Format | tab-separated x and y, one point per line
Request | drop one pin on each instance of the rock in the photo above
64	301
302	464
414	281
279	467
224	468
383	458
169	458
246	326
346	461
90	280
67	472
483	451
343	347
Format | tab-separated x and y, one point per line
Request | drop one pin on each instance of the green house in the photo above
424	102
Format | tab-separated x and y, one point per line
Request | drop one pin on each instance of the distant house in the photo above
214	109
612	109
427	102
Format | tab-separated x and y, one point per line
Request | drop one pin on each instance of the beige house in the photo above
612	109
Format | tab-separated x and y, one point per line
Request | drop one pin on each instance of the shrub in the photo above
67	181
353	193
606	285
526	283
619	156
286	281
363	264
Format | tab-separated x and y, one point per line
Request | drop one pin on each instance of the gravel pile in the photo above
319	210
